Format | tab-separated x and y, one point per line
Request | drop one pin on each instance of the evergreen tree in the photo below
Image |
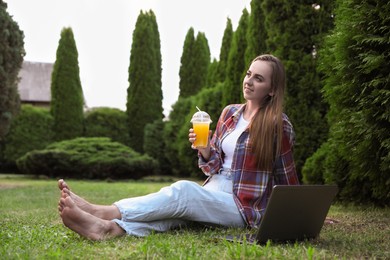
236	65
67	100
11	58
186	71
195	61
144	100
201	58
356	62
256	33
212	74
224	52
294	28
194	75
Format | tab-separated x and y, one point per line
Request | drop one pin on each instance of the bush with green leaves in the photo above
171	135
314	168
107	122
355	62
30	130
87	158
154	146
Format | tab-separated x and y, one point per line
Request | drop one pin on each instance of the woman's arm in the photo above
285	172
210	159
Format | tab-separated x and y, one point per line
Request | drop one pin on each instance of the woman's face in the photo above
257	82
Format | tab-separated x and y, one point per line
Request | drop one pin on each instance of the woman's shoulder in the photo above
229	110
232	107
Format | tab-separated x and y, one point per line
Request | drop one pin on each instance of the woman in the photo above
250	152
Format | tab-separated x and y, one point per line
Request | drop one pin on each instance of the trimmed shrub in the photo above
89	158
314	168
30	130
107	122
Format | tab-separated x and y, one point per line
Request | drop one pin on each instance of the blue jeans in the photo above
174	206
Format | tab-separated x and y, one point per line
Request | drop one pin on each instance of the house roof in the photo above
35	81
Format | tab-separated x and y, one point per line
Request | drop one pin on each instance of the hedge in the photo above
89	158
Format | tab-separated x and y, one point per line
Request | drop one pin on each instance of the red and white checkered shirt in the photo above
251	186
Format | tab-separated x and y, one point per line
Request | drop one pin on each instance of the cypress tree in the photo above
11	58
195	61
356	62
201	58
144	94
67	100
212	74
186	71
294	28
236	66
224	52
256	33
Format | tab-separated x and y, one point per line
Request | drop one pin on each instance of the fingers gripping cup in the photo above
201	125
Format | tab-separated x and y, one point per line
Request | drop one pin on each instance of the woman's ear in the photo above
271	94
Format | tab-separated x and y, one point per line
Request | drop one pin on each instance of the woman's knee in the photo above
184	186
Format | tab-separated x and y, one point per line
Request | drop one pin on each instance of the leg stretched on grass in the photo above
107	212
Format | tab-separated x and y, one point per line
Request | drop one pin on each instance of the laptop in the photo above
294	212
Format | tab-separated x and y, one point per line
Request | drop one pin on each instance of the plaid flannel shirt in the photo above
251	186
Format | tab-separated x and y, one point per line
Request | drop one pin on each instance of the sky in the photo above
103	31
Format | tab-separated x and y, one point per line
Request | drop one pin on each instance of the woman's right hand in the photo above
192	137
205	151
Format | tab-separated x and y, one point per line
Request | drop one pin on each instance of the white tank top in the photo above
230	141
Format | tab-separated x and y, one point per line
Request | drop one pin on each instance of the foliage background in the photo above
336	55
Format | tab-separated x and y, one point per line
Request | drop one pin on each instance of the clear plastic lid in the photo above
201	117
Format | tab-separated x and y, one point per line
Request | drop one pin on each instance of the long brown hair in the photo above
266	128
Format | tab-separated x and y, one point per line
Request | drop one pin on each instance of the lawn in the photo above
30	228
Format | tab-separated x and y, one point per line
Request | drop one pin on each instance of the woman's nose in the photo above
248	81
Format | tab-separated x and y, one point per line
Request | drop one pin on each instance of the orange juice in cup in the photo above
201	125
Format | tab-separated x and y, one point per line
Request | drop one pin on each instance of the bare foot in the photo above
85	224
101	211
61	204
62	184
80	202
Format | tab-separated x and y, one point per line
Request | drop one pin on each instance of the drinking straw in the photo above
201	114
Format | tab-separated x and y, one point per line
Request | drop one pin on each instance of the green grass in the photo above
30	228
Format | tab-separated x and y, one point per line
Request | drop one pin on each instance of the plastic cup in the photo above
201	125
